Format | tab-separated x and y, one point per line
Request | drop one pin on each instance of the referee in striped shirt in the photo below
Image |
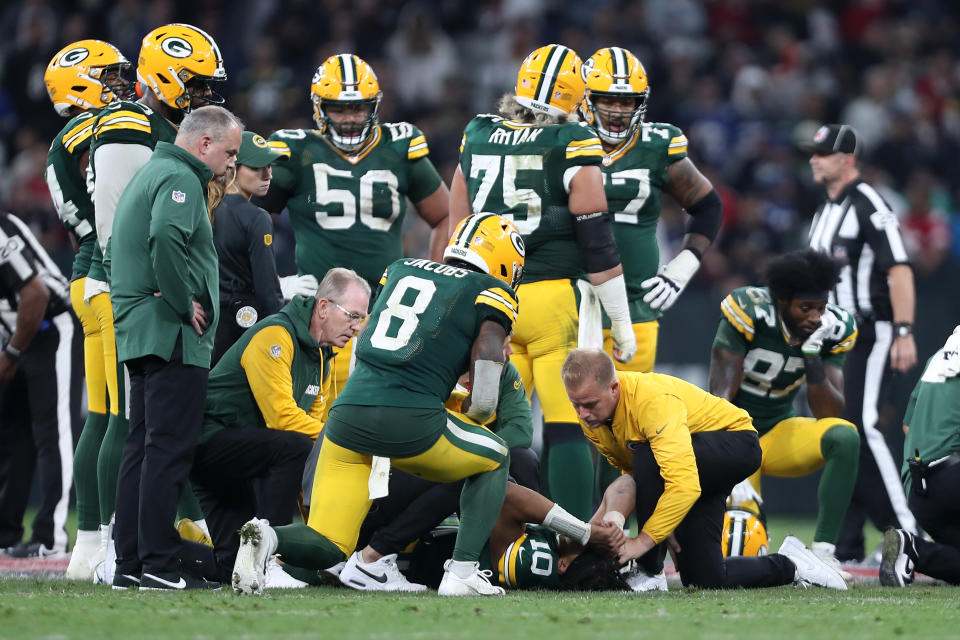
856	225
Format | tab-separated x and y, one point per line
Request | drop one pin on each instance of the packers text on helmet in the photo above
744	534
489	243
550	81
87	74
346	100
178	63
614	76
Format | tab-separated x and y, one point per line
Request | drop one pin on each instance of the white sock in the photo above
87	538
462	569
823	549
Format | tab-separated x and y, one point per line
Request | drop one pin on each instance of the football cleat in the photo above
347	83
809	568
85	556
476	584
190	530
277	578
614	72
178	62
897	565
381	575
124	581
489	243
258	542
550	81
87	74
640	581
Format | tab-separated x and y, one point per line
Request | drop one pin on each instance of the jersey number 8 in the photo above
390	336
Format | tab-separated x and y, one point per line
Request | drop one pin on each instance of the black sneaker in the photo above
174	581
33	550
122	581
899	553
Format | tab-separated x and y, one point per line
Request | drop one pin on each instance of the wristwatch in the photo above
902	329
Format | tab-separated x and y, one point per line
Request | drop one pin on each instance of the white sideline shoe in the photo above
85	556
641	581
810	568
257	543
825	551
277	578
381	575
476	584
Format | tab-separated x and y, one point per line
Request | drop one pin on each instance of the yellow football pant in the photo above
544	334
340	498
792	448
646	356
100	304
94	363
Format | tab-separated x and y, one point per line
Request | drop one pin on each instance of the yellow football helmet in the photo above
489	243
87	74
178	62
744	534
614	73
345	82
550	81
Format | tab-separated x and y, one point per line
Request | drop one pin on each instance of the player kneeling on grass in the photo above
685	450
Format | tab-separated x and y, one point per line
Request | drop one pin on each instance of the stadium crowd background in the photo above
744	79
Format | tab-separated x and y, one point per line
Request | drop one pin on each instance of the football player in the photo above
176	67
771	340
641	161
347	183
429	324
534	166
81	79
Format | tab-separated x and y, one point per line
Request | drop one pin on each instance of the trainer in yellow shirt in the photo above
685	450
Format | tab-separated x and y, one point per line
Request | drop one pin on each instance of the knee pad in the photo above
841	440
561	432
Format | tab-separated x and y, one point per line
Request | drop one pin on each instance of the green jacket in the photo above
162	242
275	376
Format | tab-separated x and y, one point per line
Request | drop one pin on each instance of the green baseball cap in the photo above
256	152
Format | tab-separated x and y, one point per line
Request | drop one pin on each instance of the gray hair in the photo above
510	109
335	282
587	364
212	120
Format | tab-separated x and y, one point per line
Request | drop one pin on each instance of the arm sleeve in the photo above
263	264
115	166
514	419
172	224
267	360
664	425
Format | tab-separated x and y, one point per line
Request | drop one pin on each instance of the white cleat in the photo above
381	575
104	570
896	565
810	568
85	556
258	542
825	551
641	581
476	584
277	578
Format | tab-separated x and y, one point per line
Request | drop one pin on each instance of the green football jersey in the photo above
530	561
124	123
347	210
522	172
418	339
634	175
68	187
933	413
773	368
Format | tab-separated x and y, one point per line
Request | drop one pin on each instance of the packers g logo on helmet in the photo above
489	243
178	62
344	82
77	76
550	81
614	72
744	534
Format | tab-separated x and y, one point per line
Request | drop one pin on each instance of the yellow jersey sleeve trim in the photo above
737	317
266	360
499	300
383	278
581	148
418	148
463	142
76	136
279	147
847	344
128	125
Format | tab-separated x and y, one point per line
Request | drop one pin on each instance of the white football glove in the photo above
743	493
812	345
624	341
305	285
669	283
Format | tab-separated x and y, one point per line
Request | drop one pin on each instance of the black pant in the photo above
166	410
242	473
878	493
724	458
938	513
38	415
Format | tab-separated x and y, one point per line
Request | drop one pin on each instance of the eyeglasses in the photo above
353	317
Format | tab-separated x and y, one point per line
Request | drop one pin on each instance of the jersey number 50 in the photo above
348	202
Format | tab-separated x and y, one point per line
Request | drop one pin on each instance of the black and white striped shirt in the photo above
860	228
21	259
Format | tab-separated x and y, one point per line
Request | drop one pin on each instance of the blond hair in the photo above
509	108
582	365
